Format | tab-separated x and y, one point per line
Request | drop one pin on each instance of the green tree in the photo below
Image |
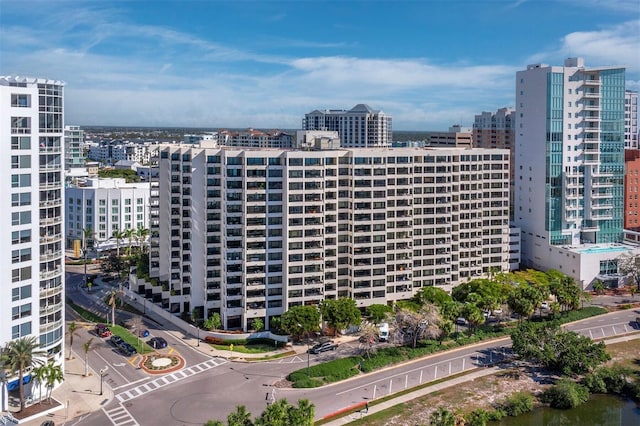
214	423
598	287
300	320
473	315
53	374
71	331
442	417
136	324
119	237
565	352
141	234
524	299
240	417
281	413
114	298
433	295
214	322
340	313
378	312
21	354
566	394
86	347
129	234
257	324
446	329
39	375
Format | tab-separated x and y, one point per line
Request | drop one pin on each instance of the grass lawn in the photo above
130	338
626	354
257	348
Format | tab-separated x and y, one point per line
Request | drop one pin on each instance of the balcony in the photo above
51	202
51	256
51	185
51	291
50	274
50	238
49	309
50	220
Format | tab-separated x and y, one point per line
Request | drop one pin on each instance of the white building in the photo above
317	139
110	152
569	167
32	267
74	157
251	138
631	119
359	127
105	206
250	233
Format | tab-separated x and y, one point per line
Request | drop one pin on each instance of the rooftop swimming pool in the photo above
605	249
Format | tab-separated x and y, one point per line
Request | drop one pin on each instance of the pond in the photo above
600	410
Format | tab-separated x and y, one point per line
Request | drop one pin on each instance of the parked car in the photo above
127	349
544	305
157	343
323	347
461	321
116	340
102	330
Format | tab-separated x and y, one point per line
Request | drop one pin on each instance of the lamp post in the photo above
103	372
308	352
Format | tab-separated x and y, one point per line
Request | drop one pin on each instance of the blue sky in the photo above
264	64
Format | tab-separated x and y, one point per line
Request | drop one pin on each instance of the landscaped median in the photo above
341	369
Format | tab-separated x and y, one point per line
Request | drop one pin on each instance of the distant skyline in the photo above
264	64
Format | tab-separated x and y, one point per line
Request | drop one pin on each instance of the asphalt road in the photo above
212	388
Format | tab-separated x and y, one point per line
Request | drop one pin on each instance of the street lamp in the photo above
103	372
308	352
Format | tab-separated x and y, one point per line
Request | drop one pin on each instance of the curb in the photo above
345	410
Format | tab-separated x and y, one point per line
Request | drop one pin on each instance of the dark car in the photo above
116	340
102	330
323	347
157	343
127	349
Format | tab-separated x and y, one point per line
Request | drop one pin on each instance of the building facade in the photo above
251	233
456	137
359	127
105	206
251	138
569	161
74	156
631	186
631	120
31	224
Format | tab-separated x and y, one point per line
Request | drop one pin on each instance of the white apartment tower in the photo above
569	159
359	127
74	157
32	266
251	233
631	119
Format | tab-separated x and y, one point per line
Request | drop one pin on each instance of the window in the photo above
19	237
21	311
20	293
21	330
20	142
21	274
21	125
20	218
18	256
20	100
20	161
20	181
21	199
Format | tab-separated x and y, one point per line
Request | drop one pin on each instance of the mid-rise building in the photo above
456	137
631	119
104	206
32	236
631	187
251	233
497	130
569	168
74	156
359	127
109	152
251	138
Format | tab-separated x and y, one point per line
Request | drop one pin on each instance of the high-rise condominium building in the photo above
74	156
251	233
631	189
631	119
32	266
359	127
569	167
497	130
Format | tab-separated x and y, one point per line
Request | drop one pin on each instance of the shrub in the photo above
518	403
566	394
477	417
607	380
497	415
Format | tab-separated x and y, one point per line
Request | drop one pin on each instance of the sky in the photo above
236	64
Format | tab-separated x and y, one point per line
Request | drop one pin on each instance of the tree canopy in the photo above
300	320
340	313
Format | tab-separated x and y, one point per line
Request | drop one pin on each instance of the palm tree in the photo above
53	374
129	233
119	236
136	325
72	332
141	236
21	354
114	296
39	374
87	347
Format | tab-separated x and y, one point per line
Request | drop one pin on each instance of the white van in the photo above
383	335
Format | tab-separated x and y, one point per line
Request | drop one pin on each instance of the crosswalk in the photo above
119	416
169	378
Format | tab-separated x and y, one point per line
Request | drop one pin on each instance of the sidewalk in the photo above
78	395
